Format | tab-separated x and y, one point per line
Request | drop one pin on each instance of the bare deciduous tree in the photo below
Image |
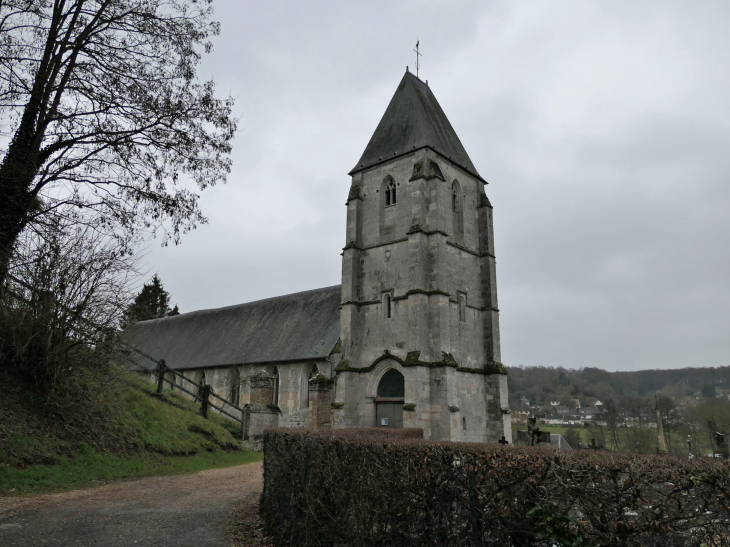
103	117
67	290
613	417
668	413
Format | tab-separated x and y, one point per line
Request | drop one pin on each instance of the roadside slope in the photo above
105	426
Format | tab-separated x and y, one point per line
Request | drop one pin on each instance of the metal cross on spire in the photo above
417	56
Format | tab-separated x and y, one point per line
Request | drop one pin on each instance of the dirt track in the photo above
169	511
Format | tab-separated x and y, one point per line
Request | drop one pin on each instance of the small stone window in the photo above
454	198
463	424
462	306
389	193
388	305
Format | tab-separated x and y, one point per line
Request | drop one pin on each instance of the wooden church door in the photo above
390	399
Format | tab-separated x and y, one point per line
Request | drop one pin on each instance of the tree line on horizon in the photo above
538	384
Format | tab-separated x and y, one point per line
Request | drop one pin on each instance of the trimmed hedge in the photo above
375	433
365	487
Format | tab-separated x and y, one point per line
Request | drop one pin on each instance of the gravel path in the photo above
177	510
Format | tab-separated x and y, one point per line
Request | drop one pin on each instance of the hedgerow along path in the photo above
177	510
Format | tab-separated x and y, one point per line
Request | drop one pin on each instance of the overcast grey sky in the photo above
603	129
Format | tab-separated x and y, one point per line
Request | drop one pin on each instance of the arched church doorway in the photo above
389	400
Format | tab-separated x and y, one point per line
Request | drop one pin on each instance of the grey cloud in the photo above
631	253
603	129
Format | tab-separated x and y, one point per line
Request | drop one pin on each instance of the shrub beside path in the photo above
164	511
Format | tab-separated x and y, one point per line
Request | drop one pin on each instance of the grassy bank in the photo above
104	427
90	468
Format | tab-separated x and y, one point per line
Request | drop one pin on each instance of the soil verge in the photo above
165	511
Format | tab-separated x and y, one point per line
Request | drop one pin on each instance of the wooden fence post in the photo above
204	394
161	367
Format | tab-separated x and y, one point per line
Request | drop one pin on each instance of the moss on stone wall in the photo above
496	368
344	365
413	359
321	379
338	347
448	359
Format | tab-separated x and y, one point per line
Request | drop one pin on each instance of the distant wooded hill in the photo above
538	384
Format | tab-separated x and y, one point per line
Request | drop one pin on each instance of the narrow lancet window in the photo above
201	382
312	374
387	306
456	208
277	386
235	381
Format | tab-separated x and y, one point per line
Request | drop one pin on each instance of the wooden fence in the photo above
203	393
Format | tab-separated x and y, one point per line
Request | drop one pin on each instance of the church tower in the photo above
419	318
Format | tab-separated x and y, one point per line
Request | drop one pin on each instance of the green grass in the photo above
647	439
172	429
107	428
555	429
89	468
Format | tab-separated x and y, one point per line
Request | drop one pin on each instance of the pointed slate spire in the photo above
414	120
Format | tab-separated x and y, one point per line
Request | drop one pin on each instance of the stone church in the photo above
411	336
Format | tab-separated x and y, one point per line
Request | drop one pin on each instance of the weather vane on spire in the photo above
417	56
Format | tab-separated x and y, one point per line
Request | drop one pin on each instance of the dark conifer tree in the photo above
152	302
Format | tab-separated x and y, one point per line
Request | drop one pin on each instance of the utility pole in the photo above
660	427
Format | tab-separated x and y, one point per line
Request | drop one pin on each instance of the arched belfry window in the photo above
392	385
454	198
389	188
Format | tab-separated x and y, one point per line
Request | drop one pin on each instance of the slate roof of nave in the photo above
414	119
293	327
